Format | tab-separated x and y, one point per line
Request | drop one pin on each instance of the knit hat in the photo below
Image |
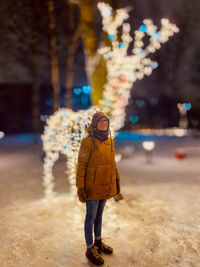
93	126
96	117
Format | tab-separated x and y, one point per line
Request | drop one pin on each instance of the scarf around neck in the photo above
101	135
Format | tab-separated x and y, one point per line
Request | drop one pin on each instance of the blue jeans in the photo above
94	211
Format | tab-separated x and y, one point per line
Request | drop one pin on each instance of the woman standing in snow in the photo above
97	179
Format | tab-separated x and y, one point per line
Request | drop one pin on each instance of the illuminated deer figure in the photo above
66	128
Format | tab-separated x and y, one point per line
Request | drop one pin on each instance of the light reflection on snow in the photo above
157	224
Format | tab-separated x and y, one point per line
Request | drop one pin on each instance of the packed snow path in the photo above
157	224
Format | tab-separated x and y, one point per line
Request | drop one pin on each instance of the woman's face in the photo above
102	124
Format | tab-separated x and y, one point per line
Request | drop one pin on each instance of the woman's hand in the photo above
81	195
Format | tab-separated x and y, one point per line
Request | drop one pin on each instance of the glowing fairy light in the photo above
43	117
2	134
119	64
62	134
180	132
77	91
66	128
86	89
187	106
134	119
148	145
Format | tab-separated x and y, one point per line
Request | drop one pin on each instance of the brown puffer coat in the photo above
97	171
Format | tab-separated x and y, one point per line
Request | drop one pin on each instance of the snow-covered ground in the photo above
157	224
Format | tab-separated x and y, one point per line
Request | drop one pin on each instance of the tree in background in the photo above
73	42
95	63
53	55
21	29
26	29
35	70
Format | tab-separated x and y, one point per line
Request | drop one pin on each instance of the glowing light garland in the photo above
66	128
123	69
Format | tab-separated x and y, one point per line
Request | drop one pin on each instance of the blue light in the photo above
154	65
106	56
106	13
86	89
134	119
66	147
49	102
122	45
138	137
187	106
47	166
64	114
156	35
77	91
47	128
154	101
140	103
143	28
50	138
142	53
111	37
65	126
43	117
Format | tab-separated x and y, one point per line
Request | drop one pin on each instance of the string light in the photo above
123	69
148	145
66	128
167	132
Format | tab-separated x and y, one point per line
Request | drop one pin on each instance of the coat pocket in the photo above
103	175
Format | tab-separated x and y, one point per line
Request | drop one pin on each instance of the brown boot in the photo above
103	247
93	255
